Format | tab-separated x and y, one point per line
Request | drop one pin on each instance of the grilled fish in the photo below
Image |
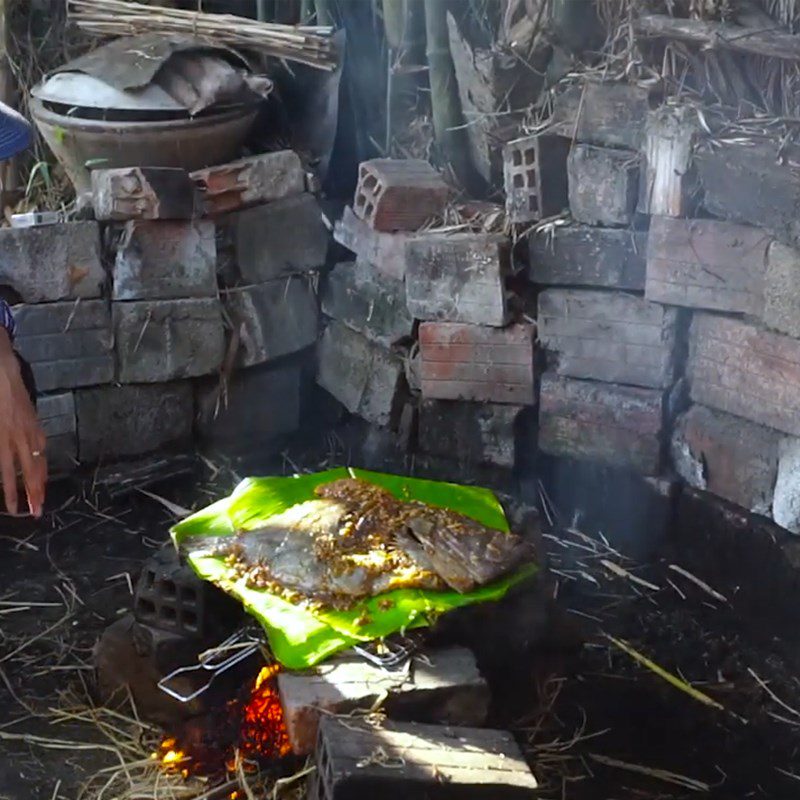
356	540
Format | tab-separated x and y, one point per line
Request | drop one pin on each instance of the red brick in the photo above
617	425
738	367
702	263
728	456
471	362
608	336
250	181
399	194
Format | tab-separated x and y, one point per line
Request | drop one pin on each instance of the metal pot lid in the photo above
79	90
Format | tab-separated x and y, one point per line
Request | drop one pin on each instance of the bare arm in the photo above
22	441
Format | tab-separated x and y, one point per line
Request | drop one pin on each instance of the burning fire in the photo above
172	758
263	733
261	736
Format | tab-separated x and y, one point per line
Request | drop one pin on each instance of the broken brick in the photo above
399	194
609	336
728	456
143	193
458	278
669	181
603	185
604	422
473	362
250	181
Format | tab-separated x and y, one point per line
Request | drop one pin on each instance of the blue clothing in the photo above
16	133
7	319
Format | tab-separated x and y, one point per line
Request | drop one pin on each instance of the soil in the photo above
591	717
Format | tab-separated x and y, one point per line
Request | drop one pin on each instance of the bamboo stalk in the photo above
304	44
448	121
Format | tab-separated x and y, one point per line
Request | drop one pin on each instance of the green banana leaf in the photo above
299	637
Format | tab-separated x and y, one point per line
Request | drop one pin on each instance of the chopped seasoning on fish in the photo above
356	540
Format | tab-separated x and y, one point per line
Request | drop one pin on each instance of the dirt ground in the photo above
595	722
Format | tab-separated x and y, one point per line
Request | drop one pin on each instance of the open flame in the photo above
261	733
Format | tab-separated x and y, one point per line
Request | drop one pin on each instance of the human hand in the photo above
22	440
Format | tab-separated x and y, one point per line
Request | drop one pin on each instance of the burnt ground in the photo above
595	722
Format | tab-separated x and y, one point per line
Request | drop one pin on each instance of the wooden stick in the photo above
772	43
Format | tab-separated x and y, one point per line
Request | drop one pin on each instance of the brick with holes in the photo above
609	336
617	425
535	174
250	181
458	278
399	194
473	362
603	185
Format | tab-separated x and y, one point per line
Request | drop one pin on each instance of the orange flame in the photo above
262	731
